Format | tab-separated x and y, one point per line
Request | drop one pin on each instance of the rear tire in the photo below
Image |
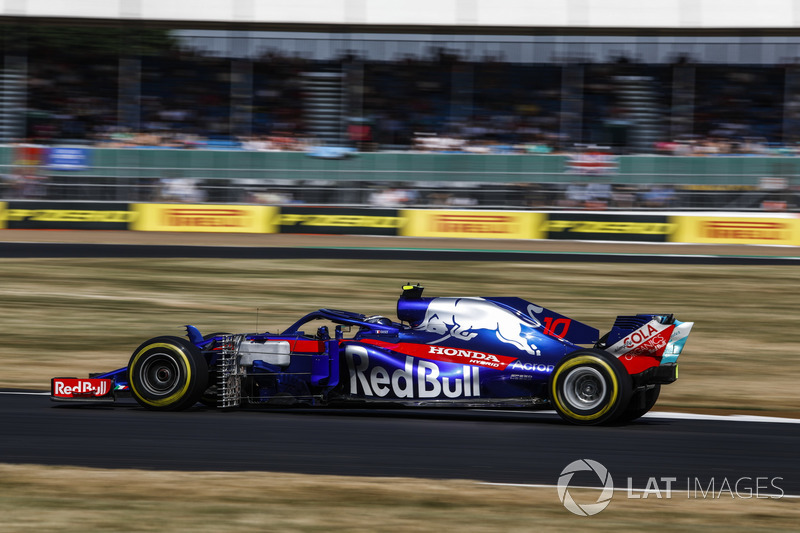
590	387
167	374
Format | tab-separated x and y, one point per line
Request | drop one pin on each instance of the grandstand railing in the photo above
413	179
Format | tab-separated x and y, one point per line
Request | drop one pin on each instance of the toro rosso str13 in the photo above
467	351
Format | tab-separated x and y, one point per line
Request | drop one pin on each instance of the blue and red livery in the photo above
483	352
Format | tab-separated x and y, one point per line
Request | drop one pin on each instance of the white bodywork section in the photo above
677	341
270	352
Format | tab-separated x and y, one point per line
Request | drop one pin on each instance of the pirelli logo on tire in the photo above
608	227
738	230
66	215
338	221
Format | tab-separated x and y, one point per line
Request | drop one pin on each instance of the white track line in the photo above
677	416
724	418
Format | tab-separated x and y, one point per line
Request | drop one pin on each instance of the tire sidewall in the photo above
615	378
181	357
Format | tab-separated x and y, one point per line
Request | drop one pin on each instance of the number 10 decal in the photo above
551	326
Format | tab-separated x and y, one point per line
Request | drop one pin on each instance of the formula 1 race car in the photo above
467	352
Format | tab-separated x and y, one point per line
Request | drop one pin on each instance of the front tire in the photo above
590	387
167	374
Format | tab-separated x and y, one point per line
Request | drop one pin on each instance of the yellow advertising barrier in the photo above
2	215
736	230
472	224
204	218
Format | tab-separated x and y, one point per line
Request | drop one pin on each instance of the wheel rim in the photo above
159	374
584	388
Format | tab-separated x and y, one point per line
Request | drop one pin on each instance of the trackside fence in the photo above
631	226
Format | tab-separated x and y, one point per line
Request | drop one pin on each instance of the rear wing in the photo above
653	335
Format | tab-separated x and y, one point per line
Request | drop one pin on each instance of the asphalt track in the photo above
498	447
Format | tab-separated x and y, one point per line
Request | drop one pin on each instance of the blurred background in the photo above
387	105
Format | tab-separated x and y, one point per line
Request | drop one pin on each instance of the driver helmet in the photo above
378	319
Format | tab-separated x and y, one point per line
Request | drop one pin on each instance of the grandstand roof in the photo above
435	15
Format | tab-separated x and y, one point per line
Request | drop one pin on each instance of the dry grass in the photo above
60	499
74	316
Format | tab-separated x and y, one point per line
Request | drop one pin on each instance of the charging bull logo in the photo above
465	318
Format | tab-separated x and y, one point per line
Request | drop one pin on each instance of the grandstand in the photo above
545	99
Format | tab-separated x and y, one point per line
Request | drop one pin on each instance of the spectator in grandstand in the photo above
26	183
575	196
181	190
461	201
268	197
657	196
178	97
7	182
392	197
623	196
598	195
